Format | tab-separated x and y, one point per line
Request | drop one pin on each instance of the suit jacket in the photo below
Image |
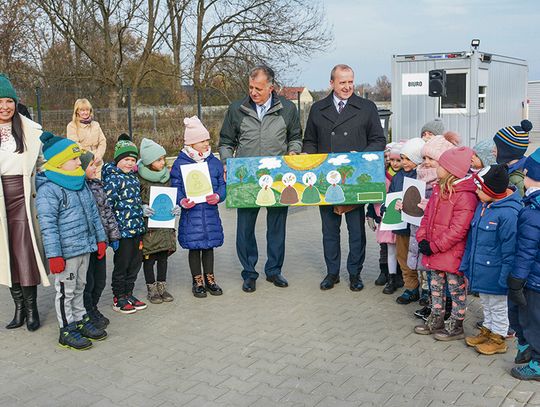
356	128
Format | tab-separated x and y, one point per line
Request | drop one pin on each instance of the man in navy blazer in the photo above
343	122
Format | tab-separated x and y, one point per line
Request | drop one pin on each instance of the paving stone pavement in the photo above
296	346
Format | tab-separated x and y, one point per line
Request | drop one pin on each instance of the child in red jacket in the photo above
442	237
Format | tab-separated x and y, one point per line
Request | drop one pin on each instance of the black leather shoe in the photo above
278	280
249	285
356	283
329	281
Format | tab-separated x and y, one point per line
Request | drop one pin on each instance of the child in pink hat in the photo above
200	229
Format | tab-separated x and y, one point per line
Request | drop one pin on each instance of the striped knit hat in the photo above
512	142
493	180
58	150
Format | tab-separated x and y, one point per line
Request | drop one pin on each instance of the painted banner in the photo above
391	219
414	191
306	180
162	201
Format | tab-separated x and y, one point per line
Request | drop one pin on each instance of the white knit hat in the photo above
412	149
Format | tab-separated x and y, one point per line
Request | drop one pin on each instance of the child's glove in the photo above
101	249
176	211
424	248
515	291
186	203
212	199
371	223
57	265
148	211
115	245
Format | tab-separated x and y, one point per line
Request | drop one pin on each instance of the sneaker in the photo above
138	304
524	354
72	339
408	296
530	371
102	318
88	330
511	333
123	306
422	313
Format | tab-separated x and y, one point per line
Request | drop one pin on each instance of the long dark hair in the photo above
17	131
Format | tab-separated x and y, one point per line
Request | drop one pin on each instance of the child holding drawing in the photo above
158	243
200	227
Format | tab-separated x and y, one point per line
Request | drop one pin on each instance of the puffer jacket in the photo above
156	240
200	227
243	134
124	194
105	212
69	220
491	243
445	225
527	261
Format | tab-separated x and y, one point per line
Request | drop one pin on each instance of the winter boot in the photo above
524	354
88	330
495	344
198	287
434	323
408	296
20	310
162	290
390	286
153	294
453	330
531	371
424	298
483	336
423	313
399	278
211	285
383	276
71	338
98	319
30	303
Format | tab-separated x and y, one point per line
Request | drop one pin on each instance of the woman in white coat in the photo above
21	262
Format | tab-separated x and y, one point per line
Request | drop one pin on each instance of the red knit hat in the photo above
457	161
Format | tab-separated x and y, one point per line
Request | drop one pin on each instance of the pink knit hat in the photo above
439	144
457	161
194	131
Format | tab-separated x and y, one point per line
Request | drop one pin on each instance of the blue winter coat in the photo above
200	227
490	251
69	220
124	195
527	264
396	185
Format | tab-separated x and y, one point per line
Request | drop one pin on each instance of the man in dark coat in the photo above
261	124
343	122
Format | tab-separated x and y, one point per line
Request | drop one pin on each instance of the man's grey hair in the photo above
341	67
266	70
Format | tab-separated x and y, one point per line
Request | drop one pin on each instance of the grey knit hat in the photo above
484	150
86	158
436	126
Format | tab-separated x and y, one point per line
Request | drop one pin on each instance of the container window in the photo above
482	94
456	91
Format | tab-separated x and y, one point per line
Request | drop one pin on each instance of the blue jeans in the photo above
331	225
246	244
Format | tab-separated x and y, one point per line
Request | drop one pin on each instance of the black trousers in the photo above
529	319
127	263
96	280
198	257
148	266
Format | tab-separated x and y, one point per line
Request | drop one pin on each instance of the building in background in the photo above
484	93
533	95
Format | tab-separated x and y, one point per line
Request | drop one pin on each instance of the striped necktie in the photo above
340	106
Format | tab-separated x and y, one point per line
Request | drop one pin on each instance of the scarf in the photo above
517	166
195	155
154	176
72	180
428	175
87	121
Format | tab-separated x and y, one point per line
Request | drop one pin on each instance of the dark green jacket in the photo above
244	135
156	240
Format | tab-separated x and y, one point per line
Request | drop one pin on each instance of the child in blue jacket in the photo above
489	255
524	279
200	228
71	229
124	194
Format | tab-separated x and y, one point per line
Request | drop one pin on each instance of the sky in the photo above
368	32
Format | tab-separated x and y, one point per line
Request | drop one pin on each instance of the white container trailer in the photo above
533	94
484	93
